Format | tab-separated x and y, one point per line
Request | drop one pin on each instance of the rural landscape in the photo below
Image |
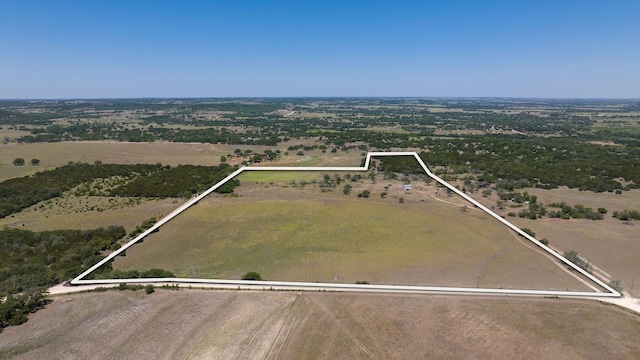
83	180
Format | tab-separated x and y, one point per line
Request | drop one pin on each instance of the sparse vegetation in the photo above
625	215
575	258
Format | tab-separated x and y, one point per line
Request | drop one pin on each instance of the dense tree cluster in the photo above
109	273
19	193
33	260
577	212
179	181
14	309
138	180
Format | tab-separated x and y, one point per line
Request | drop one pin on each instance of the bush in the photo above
529	232
149	289
615	284
252	275
18	161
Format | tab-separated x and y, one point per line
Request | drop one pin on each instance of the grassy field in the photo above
276	176
612	202
85	212
52	155
201	324
301	234
610	244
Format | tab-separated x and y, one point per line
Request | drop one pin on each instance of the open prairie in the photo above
90	212
205	324
52	155
610	244
302	234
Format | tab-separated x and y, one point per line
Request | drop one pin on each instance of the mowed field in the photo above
206	324
302	234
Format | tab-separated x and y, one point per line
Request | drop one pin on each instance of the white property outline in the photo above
306	285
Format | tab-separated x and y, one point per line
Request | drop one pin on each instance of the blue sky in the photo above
122	49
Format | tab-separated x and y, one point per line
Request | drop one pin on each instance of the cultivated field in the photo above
201	324
301	234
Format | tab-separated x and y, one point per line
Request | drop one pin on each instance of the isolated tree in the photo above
223	158
252	275
347	189
18	161
35	162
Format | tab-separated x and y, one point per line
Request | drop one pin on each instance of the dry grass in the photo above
84	212
52	155
301	234
199	324
610	244
610	201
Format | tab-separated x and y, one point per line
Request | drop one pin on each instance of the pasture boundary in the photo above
342	287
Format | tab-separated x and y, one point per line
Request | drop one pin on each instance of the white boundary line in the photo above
611	292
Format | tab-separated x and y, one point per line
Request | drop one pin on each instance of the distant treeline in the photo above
548	143
543	162
136	180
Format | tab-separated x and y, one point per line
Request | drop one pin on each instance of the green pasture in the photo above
278	176
322	236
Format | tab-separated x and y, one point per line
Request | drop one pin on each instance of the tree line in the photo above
137	180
